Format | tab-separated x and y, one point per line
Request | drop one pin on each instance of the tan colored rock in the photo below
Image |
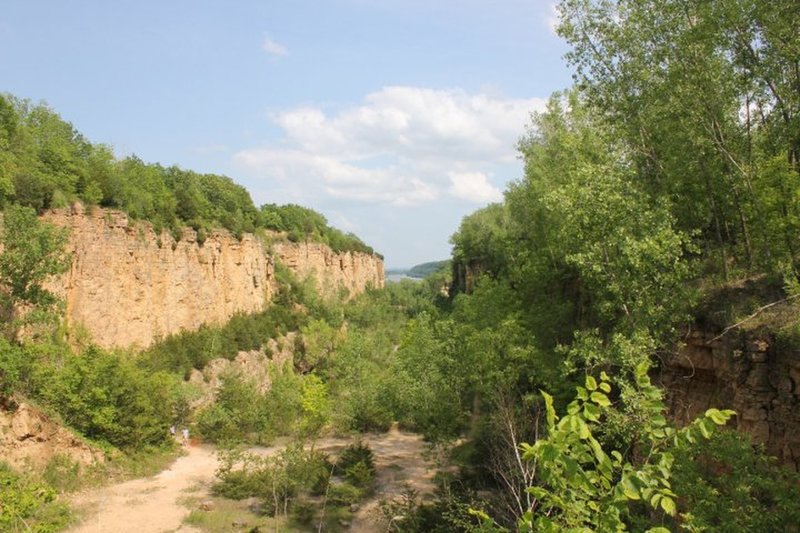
744	371
332	272
29	439
129	286
256	366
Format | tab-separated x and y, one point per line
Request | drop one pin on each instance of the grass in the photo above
233	516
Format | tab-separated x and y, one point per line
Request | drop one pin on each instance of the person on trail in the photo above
185	433
172	430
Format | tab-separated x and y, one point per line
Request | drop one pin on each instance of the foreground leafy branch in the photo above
581	486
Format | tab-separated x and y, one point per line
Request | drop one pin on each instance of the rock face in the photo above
128	285
331	271
28	438
745	371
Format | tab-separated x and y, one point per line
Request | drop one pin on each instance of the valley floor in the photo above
162	503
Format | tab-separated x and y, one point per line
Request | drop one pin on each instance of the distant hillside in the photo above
425	269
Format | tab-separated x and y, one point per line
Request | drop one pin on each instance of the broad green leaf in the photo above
654	501
591	384
584	432
704	429
600	399
718	417
537	492
668	504
591	412
629	488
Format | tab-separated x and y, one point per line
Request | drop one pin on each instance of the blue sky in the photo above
393	118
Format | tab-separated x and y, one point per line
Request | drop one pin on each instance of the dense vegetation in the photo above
45	163
671	170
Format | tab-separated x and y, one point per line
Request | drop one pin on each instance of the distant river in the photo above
394	278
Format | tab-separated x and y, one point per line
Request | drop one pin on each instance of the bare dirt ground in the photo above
158	504
400	461
148	504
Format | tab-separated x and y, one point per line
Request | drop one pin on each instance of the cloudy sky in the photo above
394	118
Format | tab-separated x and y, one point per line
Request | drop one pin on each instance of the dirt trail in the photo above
153	505
149	504
399	461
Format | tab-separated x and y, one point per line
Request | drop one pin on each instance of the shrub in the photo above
279	479
727	485
345	494
108	398
356	464
29	505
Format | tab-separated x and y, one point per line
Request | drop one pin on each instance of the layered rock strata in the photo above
332	272
129	285
748	371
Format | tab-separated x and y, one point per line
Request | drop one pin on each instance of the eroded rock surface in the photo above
331	271
129	285
28	438
748	371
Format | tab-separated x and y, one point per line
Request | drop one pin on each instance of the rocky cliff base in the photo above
30	439
750	371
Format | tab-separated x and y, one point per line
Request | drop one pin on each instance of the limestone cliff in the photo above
128	285
748	371
331	271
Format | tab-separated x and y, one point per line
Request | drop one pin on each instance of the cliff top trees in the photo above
46	163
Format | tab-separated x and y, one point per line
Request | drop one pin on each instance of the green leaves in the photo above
549	410
600	399
583	486
32	251
719	417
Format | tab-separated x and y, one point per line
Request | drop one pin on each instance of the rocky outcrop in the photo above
256	366
748	371
332	272
28	438
129	285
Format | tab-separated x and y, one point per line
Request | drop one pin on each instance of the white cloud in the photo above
273	48
473	187
400	146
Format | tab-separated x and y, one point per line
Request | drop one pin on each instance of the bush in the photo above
184	351
345	494
108	398
62	473
29	505
356	464
726	485
279	479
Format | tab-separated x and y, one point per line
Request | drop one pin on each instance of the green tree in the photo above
705	96
32	251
